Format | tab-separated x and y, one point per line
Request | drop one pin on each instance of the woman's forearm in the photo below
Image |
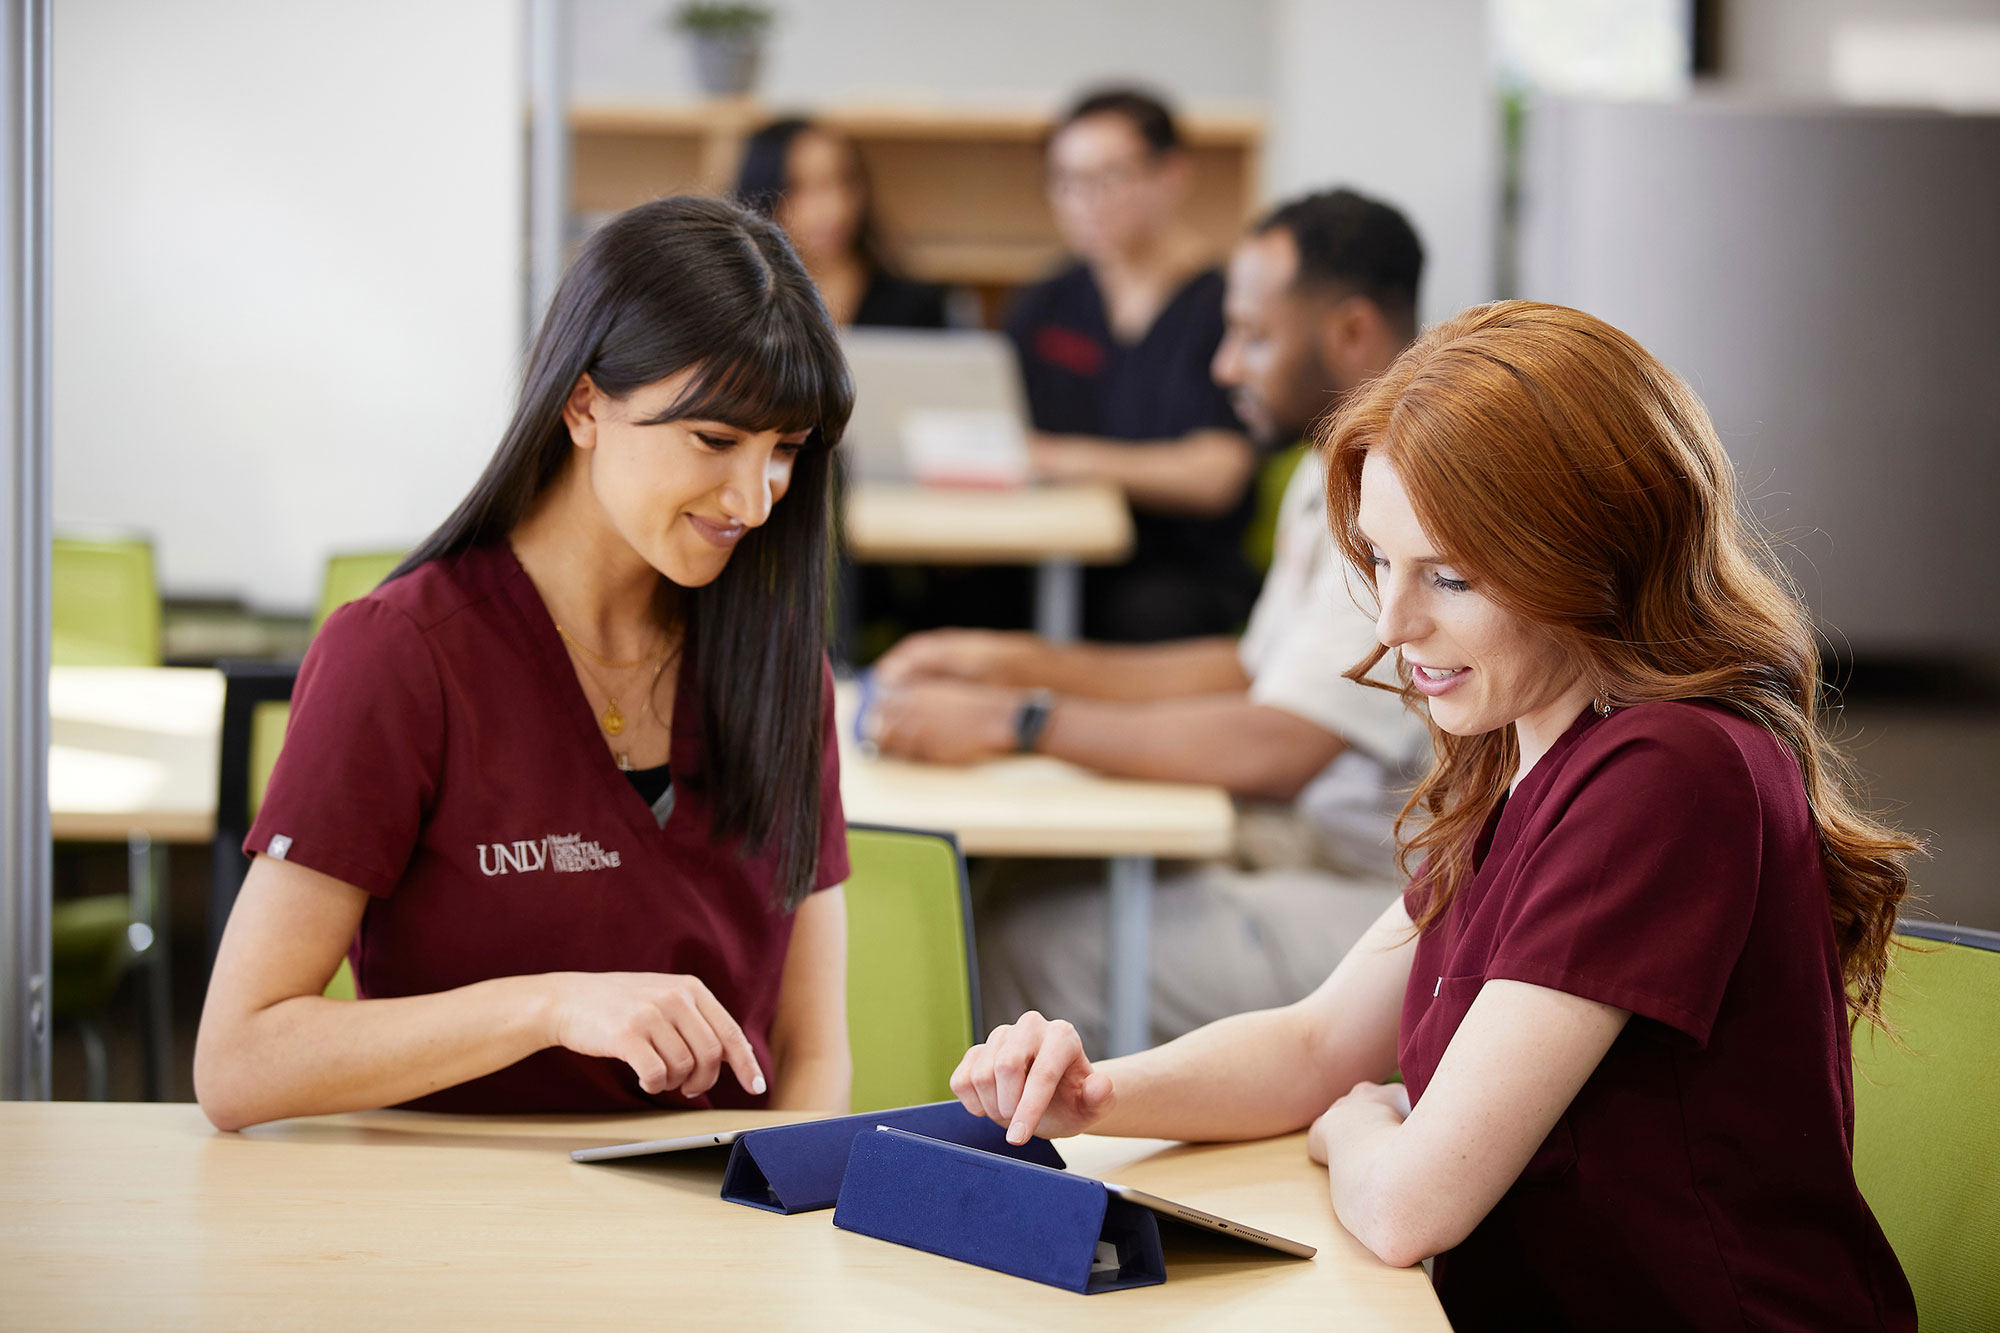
309	1055
1245	1077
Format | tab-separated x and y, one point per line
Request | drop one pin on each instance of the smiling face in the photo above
1481	666
682	493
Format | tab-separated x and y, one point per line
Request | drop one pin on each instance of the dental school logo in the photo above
564	853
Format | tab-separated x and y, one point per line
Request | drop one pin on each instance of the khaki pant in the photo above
1224	940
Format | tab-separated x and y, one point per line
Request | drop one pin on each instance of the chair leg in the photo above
96	1065
146	866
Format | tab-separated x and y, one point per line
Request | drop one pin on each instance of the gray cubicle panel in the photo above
1828	280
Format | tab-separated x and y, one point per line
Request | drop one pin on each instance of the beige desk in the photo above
1057	529
1032	805
133	749
141	1216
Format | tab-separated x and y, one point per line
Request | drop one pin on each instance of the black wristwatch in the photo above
1031	719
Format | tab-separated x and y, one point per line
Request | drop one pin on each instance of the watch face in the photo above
1032	720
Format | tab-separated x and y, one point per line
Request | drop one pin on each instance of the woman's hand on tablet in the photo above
1032	1077
669	1028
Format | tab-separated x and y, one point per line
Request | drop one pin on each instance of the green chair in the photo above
351	577
1260	539
912	983
90	948
105	603
1925	1152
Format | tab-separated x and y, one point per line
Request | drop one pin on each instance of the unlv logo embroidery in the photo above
564	853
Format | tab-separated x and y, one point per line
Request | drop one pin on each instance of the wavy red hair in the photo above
1581	485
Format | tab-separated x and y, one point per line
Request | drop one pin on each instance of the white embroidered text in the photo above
564	853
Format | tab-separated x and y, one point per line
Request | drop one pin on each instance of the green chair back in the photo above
351	577
1260	539
106	603
1925	1153
912	986
267	735
89	950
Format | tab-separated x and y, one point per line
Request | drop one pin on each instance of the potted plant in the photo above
727	38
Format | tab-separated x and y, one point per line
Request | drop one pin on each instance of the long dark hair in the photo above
760	184
698	282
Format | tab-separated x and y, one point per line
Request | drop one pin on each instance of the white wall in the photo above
1038	51
1826	281
287	275
1787	50
1396	100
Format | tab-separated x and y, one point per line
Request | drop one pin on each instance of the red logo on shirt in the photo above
564	853
1078	353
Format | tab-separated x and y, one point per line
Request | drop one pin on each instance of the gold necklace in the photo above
597	657
612	720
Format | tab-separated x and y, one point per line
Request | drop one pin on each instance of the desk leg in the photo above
1129	955
146	866
1059	600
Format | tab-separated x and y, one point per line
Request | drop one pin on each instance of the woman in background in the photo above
811	181
564	789
1115	351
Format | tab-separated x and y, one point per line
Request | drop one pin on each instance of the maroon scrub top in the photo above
442	756
1663	860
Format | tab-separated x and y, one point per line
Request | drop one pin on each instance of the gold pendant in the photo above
614	721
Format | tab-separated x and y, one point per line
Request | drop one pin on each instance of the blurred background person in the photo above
811	181
1114	354
1321	297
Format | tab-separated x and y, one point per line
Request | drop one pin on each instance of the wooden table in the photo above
1032	805
138	1215
1058	529
133	749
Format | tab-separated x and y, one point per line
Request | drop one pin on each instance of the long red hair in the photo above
1581	485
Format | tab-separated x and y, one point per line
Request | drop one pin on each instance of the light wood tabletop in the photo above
895	523
135	1215
1031	805
133	749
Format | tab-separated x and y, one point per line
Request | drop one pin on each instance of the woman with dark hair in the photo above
811	181
1114	353
564	789
1620	985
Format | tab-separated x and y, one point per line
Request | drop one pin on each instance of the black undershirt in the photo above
651	783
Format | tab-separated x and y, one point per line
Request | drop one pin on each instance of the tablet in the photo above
1180	1212
654	1146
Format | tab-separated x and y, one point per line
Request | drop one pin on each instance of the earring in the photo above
1603	709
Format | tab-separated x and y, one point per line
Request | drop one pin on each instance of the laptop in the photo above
938	406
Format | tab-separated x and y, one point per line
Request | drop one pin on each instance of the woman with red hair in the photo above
1644	910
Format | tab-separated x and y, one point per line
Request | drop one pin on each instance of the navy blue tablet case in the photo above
1009	1215
797	1168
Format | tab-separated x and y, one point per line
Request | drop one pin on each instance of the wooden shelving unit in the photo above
960	190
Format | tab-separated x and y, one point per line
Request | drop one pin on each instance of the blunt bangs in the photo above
780	378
